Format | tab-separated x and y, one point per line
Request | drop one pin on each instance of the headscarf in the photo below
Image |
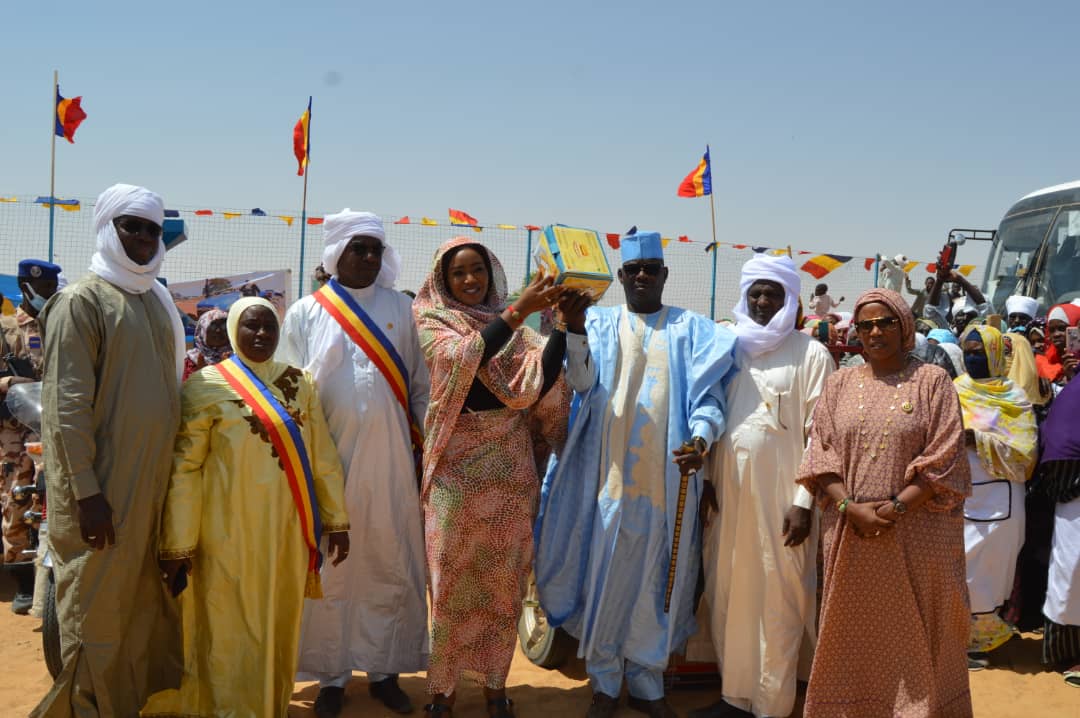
755	339
208	354
111	263
1006	439
339	228
1050	361
1022	368
943	336
450	338
268	370
897	306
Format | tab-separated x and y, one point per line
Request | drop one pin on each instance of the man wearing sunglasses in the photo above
762	622
649	379
114	351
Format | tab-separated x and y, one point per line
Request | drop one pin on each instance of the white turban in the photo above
339	228
755	339
111	262
1017	304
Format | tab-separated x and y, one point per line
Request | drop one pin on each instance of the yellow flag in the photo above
665	241
70	207
9	199
231	215
506	226
286	219
909	266
429	222
965	269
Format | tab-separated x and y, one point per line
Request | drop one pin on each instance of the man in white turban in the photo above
110	412
759	553
374	614
1020	311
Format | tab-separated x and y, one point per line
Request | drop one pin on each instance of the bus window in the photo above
1018	240
1060	280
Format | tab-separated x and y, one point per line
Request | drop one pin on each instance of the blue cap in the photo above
642	245
38	269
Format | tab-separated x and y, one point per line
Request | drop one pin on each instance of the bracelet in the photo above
842	505
700	446
514	313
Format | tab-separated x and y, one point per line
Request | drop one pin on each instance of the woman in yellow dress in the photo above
231	520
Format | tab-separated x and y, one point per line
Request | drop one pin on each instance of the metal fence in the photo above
234	241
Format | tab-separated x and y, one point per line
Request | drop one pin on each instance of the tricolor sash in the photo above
363	330
287	441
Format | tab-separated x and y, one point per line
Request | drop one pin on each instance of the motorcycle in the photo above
24	403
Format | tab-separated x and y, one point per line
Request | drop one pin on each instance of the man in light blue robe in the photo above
649	384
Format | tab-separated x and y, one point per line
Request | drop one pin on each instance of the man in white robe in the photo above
374	614
760	552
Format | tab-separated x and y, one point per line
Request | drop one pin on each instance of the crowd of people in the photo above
369	484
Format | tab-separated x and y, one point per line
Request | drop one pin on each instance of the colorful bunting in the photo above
404	220
258	212
822	264
965	269
203	212
68	205
69	115
9	199
429	222
665	241
314	220
868	263
683	238
461	218
909	266
231	215
699	182
613	240
286	218
711	246
506	226
172	213
532	228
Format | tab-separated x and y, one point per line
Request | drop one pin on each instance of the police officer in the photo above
20	361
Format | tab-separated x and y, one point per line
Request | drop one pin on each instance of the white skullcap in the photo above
1017	304
755	339
339	228
900	259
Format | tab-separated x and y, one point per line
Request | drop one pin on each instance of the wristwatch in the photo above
899	506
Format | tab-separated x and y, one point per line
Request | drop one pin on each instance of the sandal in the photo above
500	708
436	709
1072	678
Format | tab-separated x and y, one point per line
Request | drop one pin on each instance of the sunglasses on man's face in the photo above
134	225
633	269
866	326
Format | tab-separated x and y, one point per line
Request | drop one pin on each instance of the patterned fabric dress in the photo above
894	617
480	488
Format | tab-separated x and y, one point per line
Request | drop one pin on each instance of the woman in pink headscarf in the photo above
886	462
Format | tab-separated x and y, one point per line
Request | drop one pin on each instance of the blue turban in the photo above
942	336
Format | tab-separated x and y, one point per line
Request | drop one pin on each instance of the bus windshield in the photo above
1059	279
1016	245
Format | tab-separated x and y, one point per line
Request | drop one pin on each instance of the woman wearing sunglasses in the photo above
887	464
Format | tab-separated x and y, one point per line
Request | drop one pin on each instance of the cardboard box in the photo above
576	258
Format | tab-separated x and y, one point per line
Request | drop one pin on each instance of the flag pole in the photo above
715	250
52	164
303	206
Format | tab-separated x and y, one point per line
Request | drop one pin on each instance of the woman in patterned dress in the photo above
494	383
887	463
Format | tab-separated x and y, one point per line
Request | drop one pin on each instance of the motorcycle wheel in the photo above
543	644
50	631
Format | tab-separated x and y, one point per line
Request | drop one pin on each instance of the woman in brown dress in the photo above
887	463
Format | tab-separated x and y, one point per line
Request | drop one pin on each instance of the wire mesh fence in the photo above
223	242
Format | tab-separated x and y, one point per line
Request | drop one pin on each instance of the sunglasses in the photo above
650	268
866	326
134	225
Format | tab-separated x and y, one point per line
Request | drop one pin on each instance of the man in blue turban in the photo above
649	384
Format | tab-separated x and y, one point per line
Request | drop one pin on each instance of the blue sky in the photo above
853	127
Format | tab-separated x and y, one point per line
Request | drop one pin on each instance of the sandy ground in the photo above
1015	686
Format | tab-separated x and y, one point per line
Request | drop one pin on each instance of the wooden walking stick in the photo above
680	508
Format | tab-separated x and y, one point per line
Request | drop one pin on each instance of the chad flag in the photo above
819	266
699	182
69	115
301	139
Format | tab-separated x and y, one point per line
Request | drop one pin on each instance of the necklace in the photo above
900	401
